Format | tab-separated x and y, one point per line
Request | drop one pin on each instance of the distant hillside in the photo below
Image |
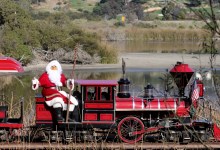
149	9
52	5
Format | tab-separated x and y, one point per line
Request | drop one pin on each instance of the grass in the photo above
167	34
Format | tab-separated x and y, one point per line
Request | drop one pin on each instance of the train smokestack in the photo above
181	74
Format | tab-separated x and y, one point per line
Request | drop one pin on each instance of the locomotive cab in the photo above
97	103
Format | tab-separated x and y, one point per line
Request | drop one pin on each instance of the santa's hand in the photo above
35	83
70	84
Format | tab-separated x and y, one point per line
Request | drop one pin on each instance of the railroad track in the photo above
150	146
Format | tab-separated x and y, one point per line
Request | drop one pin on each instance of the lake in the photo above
156	47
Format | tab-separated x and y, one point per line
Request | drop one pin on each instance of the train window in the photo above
99	93
91	93
105	93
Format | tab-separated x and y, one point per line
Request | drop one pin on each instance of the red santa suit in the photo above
50	84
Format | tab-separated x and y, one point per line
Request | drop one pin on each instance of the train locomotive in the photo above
108	111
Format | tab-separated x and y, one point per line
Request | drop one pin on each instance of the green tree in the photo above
140	1
195	3
172	11
109	7
112	8
52	36
18	31
59	19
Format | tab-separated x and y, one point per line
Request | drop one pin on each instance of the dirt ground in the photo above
145	61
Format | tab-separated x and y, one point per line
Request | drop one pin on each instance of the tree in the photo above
172	11
18	32
194	3
112	8
37	1
140	1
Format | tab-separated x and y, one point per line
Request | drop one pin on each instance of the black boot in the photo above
58	112
70	116
75	114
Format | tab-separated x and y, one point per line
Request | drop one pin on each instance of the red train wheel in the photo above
129	125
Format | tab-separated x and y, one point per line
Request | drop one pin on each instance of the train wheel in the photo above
38	135
129	125
15	135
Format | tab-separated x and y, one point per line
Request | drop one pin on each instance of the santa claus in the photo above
51	81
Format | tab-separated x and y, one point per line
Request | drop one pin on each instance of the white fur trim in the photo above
71	107
54	101
57	105
58	102
72	99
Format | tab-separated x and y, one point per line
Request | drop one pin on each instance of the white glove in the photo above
35	84
70	84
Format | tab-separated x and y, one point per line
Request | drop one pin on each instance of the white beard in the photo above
55	77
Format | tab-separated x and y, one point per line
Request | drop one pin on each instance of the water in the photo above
20	85
17	86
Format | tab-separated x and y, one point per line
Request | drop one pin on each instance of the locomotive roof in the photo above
97	82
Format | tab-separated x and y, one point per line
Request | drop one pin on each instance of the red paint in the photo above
181	68
98	105
201	88
43	112
216	132
106	117
90	116
2	114
8	64
159	104
11	125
